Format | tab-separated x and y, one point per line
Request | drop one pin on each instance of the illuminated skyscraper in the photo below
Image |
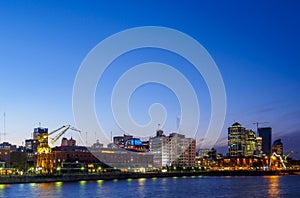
266	134
259	146
250	143
236	140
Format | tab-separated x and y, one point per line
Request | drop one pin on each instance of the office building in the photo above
236	140
159	147
250	148
259	151
266	134
173	150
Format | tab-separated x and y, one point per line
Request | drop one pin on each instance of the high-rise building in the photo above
159	147
250	143
266	134
277	147
259	151
173	150
236	140
182	150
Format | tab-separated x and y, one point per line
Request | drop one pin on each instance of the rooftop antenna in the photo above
40	124
158	127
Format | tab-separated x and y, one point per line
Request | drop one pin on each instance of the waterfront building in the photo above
182	150
66	142
123	159
120	140
134	144
250	148
210	154
206	157
236	140
242	163
173	150
5	157
259	151
31	145
266	134
159	147
277	147
18	160
116	158
7	145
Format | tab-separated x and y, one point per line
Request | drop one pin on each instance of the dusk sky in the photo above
256	46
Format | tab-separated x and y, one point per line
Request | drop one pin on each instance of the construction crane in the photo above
258	123
44	163
274	156
287	155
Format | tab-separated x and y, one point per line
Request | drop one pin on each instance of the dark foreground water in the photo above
250	186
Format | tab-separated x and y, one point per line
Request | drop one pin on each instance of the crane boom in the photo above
67	127
287	155
56	130
280	158
74	129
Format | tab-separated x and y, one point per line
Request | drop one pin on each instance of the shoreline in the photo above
15	179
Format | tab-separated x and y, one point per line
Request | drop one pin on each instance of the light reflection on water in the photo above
268	186
273	188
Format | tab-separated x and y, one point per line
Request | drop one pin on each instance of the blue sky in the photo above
255	44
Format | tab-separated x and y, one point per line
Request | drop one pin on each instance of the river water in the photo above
248	186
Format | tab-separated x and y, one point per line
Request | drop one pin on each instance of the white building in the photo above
173	150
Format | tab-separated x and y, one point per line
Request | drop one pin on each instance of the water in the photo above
266	186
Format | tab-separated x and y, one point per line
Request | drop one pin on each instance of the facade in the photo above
208	153
66	142
173	150
250	149
134	144
124	160
182	150
277	147
259	151
116	158
31	144
72	154
266	134
5	156
236	140
159	147
7	145
120	140
39	130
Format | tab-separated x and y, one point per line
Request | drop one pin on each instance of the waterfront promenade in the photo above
11	179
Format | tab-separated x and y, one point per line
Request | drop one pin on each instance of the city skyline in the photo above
254	44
